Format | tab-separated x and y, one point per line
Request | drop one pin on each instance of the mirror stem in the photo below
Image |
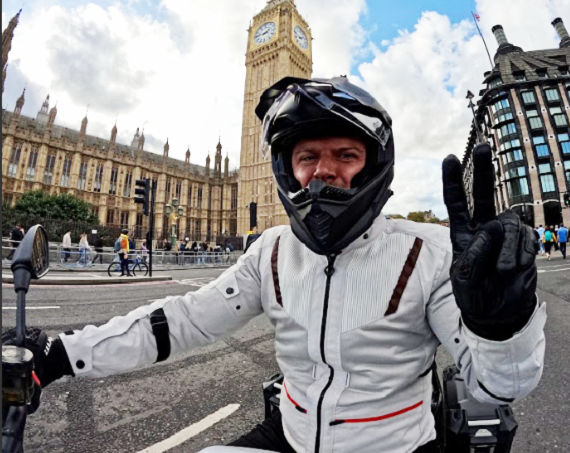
21	318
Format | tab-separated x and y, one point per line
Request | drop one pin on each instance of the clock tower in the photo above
278	45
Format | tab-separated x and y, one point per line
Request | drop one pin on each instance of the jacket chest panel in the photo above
301	279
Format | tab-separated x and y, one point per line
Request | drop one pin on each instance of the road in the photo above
133	411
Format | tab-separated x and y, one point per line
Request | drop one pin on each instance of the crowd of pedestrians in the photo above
552	237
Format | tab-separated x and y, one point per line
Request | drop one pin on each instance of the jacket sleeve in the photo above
495	371
195	319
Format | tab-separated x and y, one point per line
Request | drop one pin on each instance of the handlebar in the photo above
13	424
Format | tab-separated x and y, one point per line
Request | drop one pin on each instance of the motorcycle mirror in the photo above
31	258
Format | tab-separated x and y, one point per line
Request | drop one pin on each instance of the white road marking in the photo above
192	430
540	271
32	308
199	282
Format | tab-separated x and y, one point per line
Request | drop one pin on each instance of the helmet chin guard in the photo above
326	218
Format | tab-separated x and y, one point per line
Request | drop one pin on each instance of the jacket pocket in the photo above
379	417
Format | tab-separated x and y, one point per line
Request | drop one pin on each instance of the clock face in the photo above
301	37
265	32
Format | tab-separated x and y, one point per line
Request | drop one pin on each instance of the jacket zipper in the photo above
329	271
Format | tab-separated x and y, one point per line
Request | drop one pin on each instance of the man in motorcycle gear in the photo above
359	303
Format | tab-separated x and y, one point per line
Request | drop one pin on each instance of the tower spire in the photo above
7	36
20	103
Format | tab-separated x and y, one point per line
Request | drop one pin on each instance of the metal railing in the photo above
87	258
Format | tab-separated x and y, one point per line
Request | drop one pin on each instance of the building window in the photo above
65	172
14	160
564	140
512	156
8	199
128	184
95	211
234	197
515	143
542	74
517	183
113	182
110	217
98	178
546	177
495	82
190	194
528	97
125	219
82	176
48	173
567	170
31	170
500	105
560	119
552	94
167	191
200	197
519	76
198	229
542	149
178	189
507	129
534	119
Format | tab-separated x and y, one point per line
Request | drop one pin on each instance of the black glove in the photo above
493	274
50	359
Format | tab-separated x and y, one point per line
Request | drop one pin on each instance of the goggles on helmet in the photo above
372	126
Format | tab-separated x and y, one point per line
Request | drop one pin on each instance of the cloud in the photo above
422	77
179	68
338	38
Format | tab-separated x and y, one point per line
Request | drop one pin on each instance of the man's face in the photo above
334	160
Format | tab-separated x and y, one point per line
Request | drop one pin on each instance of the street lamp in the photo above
470	96
174	212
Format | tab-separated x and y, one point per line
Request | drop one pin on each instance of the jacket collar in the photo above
376	229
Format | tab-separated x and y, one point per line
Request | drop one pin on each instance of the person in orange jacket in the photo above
124	253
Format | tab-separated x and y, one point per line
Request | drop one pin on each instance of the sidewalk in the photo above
58	278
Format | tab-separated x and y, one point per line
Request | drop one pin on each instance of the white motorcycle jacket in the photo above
355	335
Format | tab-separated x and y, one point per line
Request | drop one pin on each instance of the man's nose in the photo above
325	170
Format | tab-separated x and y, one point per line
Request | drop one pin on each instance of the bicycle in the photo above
138	266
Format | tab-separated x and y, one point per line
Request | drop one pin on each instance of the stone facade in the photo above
37	154
524	112
275	54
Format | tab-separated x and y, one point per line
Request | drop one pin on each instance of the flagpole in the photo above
481	34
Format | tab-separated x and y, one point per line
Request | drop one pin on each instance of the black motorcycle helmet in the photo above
326	218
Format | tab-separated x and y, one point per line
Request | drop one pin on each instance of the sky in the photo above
177	69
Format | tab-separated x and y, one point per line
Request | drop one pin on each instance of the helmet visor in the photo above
370	125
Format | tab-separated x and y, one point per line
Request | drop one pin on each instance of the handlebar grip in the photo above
14	422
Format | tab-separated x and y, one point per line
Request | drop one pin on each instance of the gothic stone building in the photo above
37	154
524	113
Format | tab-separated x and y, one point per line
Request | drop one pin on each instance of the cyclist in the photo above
359	303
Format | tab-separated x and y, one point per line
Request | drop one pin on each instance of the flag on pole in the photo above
477	18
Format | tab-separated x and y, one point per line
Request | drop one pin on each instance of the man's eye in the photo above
306	158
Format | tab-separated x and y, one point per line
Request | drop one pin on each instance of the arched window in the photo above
14	160
31	170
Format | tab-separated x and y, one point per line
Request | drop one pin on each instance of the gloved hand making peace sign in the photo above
493	272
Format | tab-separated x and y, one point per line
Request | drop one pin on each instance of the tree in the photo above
396	216
58	207
416	216
434	220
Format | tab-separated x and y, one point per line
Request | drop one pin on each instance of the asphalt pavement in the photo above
134	411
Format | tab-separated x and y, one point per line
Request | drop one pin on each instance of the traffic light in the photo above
567	199
142	187
252	215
